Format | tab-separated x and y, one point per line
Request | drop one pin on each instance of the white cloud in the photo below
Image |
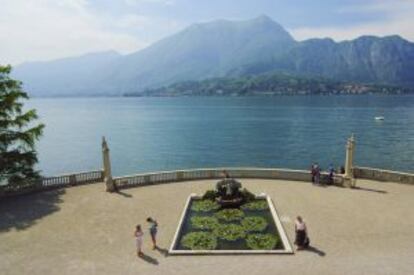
50	29
399	20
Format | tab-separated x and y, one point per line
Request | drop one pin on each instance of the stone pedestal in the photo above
348	182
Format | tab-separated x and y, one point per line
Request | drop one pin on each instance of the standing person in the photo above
313	172
317	171
301	240
139	239
153	231
331	171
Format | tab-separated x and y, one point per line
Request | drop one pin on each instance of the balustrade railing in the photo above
195	174
213	173
48	183
383	175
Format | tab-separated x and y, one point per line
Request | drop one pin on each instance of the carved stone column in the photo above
110	186
349	159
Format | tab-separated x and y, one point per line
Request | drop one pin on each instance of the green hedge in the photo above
261	241
229	215
255	205
229	232
199	241
254	224
204	223
204	206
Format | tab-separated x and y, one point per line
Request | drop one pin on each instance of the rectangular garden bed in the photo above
255	228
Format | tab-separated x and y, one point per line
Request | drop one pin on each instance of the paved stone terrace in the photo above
84	230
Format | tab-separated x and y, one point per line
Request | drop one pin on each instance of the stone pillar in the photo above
110	186
349	159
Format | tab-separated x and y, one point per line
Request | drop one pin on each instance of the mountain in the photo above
224	48
201	51
77	76
387	60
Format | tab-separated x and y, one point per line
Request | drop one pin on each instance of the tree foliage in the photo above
18	132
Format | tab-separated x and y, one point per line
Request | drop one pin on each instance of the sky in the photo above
41	30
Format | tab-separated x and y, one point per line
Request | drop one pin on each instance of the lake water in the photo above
153	134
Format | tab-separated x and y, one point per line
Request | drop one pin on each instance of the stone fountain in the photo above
229	194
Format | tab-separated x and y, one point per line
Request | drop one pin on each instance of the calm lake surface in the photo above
153	134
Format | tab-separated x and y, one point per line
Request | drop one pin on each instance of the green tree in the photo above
18	132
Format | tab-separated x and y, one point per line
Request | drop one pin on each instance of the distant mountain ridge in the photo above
223	48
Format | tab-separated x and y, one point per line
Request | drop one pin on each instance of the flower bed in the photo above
205	227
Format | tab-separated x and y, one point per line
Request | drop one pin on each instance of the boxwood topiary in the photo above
228	215
261	241
204	223
247	195
210	195
254	224
199	241
255	205
204	206
229	232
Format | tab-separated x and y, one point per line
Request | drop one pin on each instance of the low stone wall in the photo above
216	173
382	175
52	183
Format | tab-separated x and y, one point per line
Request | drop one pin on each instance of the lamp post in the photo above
110	186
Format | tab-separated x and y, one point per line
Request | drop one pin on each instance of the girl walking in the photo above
139	236
302	239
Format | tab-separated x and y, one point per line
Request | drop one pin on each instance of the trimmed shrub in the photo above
210	195
261	241
204	223
204	206
254	224
229	215
199	241
247	195
255	205
229	232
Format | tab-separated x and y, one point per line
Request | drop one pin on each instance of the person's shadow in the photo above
126	195
370	189
163	251
149	259
315	250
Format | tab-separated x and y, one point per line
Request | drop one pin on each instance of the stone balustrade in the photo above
382	175
216	173
197	174
48	183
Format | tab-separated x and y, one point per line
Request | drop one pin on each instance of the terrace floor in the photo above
84	230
